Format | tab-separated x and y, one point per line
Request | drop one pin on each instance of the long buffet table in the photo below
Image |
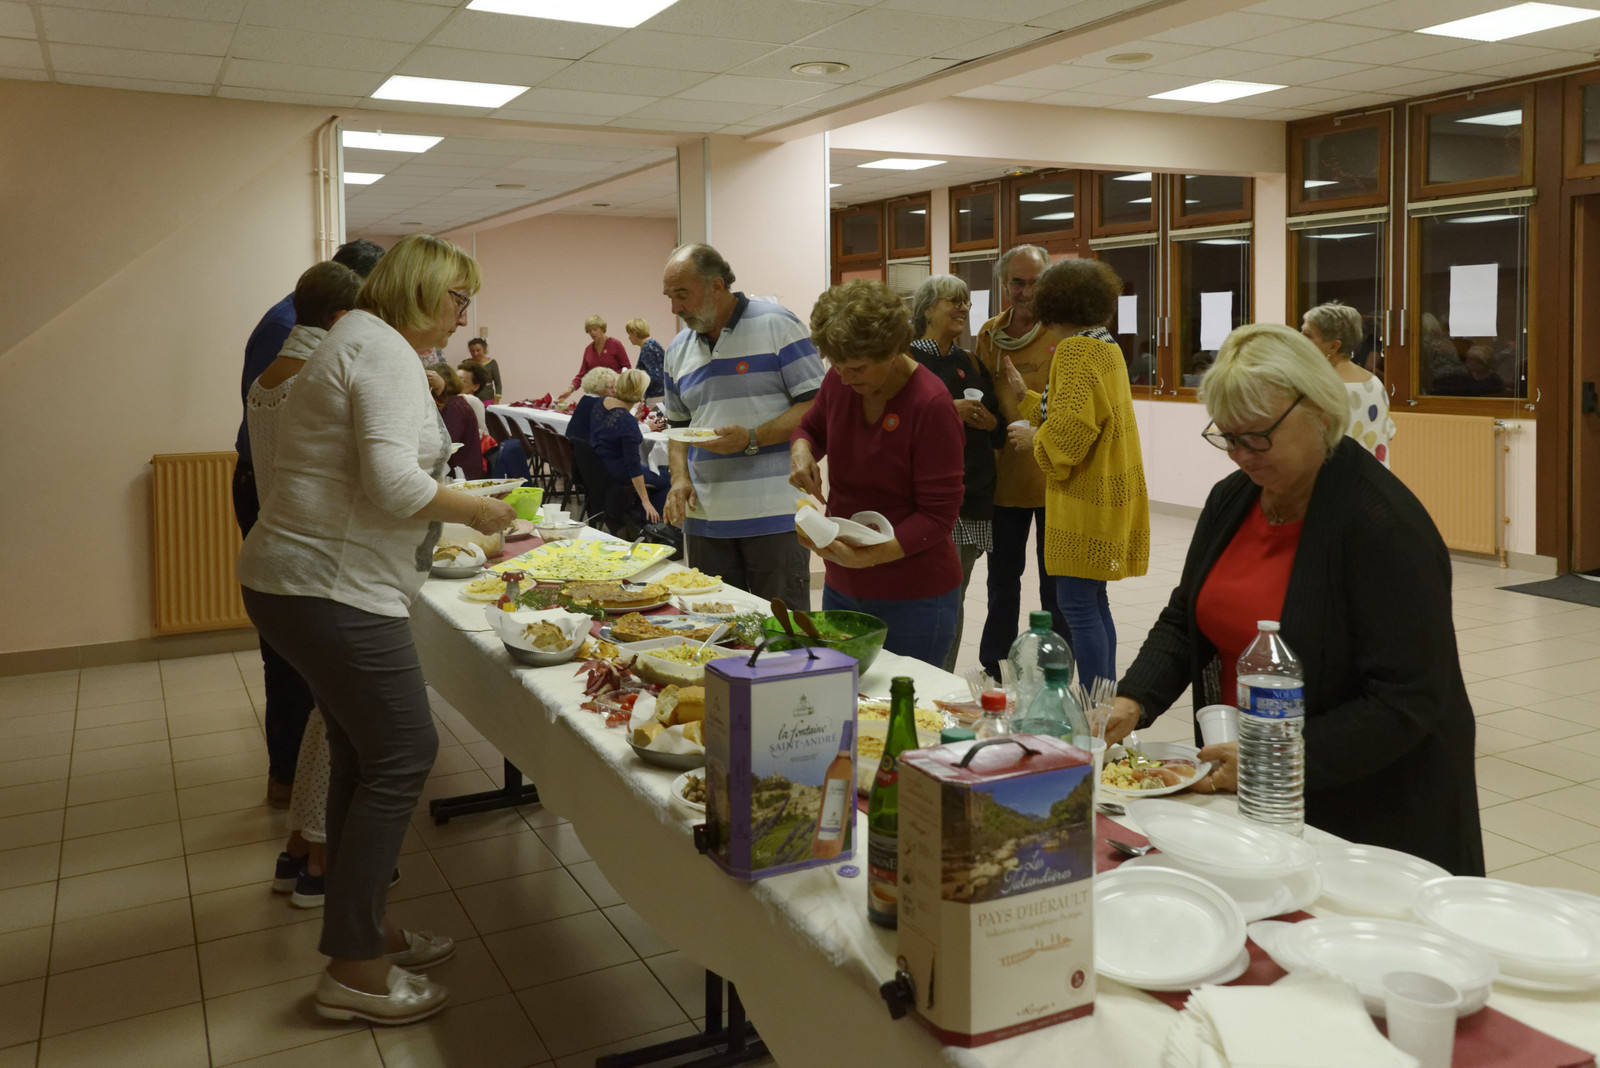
652	450
798	947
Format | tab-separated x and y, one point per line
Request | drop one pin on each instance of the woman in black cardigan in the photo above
1388	729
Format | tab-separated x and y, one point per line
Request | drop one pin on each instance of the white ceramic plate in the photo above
1158	751
1362	951
1258	899
1161	926
1532	934
691	435
677	790
1209	841
1371	879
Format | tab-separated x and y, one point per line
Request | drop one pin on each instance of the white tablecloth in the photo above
653	450
799	948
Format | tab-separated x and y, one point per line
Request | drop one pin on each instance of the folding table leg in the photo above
513	793
733	1043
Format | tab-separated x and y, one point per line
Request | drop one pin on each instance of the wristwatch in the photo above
754	447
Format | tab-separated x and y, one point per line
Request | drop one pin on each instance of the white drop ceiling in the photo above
723	66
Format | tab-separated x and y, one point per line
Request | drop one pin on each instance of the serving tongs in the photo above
783	615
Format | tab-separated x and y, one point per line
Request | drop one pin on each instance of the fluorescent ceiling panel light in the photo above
1335	237
1142	176
593	12
1481	218
360	178
895	163
1497	118
383	142
447	91
1514	21
1054	216
1043	198
1317	183
1215	92
1225	241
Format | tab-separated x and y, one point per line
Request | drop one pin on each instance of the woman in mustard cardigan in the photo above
1083	434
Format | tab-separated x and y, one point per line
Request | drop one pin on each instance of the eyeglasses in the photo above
1251	440
958	302
462	301
1022	283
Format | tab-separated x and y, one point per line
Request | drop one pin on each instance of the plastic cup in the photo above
973	394
1096	748
1218	724
1020	422
1421	1011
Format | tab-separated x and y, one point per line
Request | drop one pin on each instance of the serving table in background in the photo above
798	947
653	450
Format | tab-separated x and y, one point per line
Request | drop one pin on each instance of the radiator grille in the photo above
1452	464
194	542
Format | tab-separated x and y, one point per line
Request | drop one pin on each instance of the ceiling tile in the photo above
781	116
1476	57
15	52
289	96
1521	68
677	51
1058	78
1356	100
1306	71
1376	79
545	118
1010	37
538	163
719	112
501	67
664	126
908	72
1215	63
147	33
571	102
1225	31
1405	48
1013	93
1304	97
1142	83
894	33
384	20
1317	39
773	22
529	37
999	10
128	63
1164	106
215	10
1070	17
1325	9
1439	83
16	20
593	77
311	49
255	74
843	94
140	85
776	63
772	92
1160	52
1411	15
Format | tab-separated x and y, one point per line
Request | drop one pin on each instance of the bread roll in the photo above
681	704
643	736
695	732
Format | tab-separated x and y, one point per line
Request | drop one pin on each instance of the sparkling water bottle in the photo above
1054	711
1034	649
1272	750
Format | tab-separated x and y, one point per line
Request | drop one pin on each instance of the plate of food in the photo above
539	639
691	435
675	660
690	580
618	597
487	487
689	790
588	560
1154	769
521	528
458	560
707	607
634	627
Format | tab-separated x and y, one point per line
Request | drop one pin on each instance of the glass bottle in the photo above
883	808
1034	649
836	813
994	721
1272	749
1055	711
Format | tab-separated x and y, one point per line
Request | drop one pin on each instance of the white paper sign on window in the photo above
1474	298
1128	315
980	310
1216	318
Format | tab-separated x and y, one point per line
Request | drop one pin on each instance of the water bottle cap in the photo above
1040	620
993	700
1268	625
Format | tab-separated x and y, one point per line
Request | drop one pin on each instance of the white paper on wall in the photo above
1216	318
1474	298
980	311
1128	315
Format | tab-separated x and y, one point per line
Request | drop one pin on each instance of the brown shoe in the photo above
278	792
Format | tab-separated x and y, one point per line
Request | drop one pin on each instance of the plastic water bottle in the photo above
1272	749
1034	649
995	720
1054	710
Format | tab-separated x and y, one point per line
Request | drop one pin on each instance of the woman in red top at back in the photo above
601	351
895	443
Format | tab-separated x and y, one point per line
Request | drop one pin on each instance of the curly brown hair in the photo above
1077	292
860	320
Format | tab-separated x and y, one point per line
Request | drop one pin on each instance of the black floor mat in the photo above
1574	588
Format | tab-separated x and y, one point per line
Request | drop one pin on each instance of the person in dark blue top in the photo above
617	440
652	358
597	385
289	699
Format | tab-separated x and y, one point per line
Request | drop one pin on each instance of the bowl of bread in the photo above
458	560
675	737
539	639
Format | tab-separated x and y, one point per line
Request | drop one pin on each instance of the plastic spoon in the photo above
804	619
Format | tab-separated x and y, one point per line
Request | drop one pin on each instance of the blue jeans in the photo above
1090	630
923	628
1006	563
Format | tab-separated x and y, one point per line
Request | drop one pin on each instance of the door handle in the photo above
1591	400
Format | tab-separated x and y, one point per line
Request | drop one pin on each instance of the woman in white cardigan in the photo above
344	543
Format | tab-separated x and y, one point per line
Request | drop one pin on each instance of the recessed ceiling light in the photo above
1334	237
447	91
1514	21
1043	198
383	142
1127	59
1054	216
1480	218
1316	183
821	66
1142	176
896	163
360	178
594	12
510	185
1215	92
1497	118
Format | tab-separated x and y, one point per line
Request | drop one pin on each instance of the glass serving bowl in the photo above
859	635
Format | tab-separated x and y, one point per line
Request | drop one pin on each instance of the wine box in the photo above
780	736
997	862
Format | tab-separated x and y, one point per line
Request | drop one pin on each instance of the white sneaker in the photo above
410	998
423	949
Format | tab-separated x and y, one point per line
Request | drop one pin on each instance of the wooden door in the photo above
1585	545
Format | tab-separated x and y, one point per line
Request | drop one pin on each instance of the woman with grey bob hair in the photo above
1335	329
938	287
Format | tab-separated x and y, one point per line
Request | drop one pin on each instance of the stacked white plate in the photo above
1370	879
1540	940
1266	872
1361	952
1161	929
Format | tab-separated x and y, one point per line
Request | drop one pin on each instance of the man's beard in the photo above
703	318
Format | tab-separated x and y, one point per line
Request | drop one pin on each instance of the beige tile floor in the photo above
136	927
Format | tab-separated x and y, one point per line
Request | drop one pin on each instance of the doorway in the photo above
1585	504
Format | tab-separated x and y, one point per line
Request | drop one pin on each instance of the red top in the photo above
907	467
613	355
1247	584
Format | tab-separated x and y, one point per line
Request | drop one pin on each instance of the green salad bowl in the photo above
852	633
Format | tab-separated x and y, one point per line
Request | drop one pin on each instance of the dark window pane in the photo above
1044	207
1344	264
1591	123
1125	198
1343	163
1472	316
858	235
910	222
975	218
1213	298
1133	325
1207	193
1473	143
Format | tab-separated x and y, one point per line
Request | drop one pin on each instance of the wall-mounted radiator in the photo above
194	543
1455	464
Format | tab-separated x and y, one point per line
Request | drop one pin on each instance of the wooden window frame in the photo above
888	236
1383	121
1098	228
1177	391
968	191
1013	188
1572	125
1183	221
1421	189
839	217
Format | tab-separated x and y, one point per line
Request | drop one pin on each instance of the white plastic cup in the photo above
1020	422
973	394
1218	724
1421	1011
1096	748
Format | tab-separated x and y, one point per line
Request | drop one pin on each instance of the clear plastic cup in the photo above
1421	1010
1096	748
973	394
1218	724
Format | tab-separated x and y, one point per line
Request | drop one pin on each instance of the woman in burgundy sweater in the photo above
896	444
601	351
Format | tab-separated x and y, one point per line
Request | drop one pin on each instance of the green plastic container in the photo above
526	500
864	635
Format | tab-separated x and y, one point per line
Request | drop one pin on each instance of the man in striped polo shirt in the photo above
747	369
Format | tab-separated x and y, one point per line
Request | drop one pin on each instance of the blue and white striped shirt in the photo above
762	364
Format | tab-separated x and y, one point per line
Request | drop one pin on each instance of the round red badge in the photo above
741	367
891	421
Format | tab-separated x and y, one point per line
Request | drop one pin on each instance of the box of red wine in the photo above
780	736
997	885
